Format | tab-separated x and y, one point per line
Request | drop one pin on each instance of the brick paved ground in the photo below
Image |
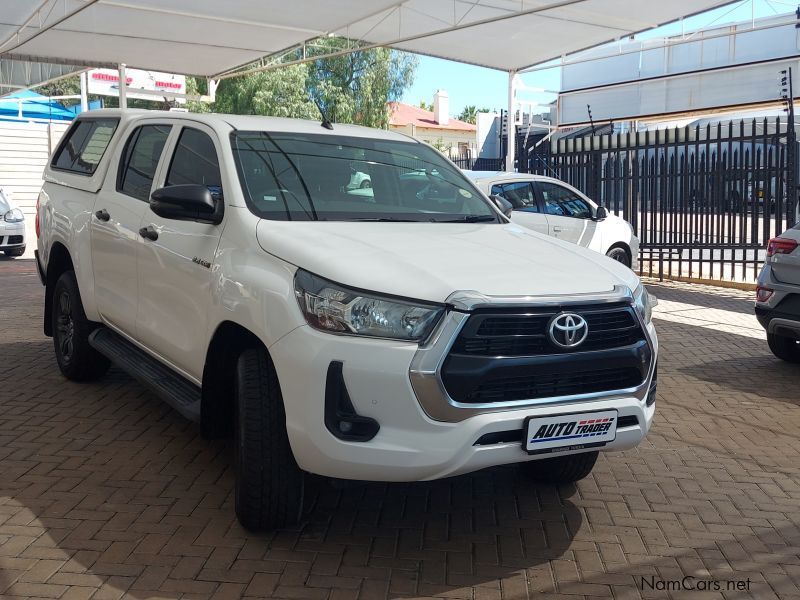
105	492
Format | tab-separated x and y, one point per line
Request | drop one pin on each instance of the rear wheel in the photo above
269	484
561	469
77	360
621	255
367	183
783	347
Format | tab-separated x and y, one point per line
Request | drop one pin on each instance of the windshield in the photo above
306	177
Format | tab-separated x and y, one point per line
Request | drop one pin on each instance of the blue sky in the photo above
466	84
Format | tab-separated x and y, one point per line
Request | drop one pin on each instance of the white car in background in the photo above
554	208
12	226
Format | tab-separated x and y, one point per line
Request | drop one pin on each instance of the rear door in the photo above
119	208
176	269
569	215
527	210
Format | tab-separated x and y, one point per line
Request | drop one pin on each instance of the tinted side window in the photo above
519	193
195	161
139	161
562	202
84	145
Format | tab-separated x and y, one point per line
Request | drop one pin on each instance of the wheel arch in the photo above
624	246
219	372
59	262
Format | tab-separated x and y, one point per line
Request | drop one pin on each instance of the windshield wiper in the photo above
471	219
388	219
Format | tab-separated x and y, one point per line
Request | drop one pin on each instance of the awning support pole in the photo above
84	92
511	127
123	86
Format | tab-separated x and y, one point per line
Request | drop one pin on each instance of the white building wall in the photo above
24	150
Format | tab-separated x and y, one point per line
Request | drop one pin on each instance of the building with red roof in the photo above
458	139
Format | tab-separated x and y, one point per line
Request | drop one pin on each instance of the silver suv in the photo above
778	295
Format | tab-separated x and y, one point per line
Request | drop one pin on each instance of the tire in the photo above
621	255
366	184
561	469
783	347
77	360
15	252
269	484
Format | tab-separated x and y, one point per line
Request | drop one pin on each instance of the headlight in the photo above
644	303
14	216
332	307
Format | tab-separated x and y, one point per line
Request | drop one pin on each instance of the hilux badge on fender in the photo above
568	330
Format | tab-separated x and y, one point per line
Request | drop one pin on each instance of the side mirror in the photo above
601	213
187	202
502	204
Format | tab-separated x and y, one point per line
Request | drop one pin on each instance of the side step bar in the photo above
175	390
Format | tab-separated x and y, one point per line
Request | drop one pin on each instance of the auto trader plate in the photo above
570	431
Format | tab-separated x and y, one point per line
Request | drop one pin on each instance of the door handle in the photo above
102	215
556	228
149	233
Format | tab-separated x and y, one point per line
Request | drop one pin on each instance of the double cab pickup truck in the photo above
403	331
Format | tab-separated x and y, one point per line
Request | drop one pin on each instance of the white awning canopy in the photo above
210	37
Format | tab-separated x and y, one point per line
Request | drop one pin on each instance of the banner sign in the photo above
105	82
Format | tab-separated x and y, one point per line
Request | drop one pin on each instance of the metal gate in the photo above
704	200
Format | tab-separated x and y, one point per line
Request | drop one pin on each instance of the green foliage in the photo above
278	93
355	87
67	86
426	105
352	88
470	113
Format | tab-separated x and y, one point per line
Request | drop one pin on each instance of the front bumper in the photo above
411	444
12	235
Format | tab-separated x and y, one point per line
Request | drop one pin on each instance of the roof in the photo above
404	114
212	38
484	176
253	123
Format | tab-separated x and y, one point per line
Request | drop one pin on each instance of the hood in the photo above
430	261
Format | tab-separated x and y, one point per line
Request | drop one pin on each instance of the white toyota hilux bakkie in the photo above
403	331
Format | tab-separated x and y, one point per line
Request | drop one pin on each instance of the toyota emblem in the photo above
568	330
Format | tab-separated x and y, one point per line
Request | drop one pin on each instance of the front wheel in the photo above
77	360
620	255
269	484
561	469
783	347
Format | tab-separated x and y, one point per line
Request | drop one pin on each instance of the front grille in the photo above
525	333
14	239
543	386
1	239
507	355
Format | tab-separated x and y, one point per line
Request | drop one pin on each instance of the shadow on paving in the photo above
719	298
108	478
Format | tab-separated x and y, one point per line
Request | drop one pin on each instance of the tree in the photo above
279	93
425	105
355	87
470	113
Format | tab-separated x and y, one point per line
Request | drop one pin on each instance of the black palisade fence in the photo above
704	200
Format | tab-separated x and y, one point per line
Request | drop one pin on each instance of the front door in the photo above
569	215
176	269
115	225
527	211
